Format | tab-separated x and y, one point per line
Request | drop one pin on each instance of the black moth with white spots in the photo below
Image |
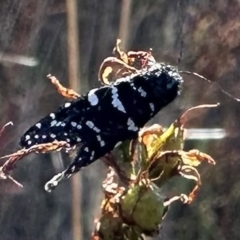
108	115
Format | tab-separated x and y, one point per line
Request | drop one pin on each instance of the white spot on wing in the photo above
68	104
38	125
79	126
92	97
99	138
132	85
44	136
96	129
58	124
102	143
152	107
27	137
36	136
29	142
53	123
114	90
52	135
52	115
131	125
142	92
74	124
116	102
92	155
90	124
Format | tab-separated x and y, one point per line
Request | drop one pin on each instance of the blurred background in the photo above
69	39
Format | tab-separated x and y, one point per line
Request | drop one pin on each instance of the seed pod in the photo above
143	207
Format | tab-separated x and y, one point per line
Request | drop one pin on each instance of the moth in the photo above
106	116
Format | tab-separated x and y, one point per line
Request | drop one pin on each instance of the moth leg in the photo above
51	184
85	156
65	92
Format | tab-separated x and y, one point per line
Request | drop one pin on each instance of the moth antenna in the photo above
205	79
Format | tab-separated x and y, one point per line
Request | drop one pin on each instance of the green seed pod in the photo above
143	207
109	227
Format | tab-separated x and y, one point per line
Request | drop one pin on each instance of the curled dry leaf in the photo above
191	173
65	92
195	157
3	128
148	135
14	158
118	53
178	162
139	59
155	142
112	68
123	64
185	116
2	174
